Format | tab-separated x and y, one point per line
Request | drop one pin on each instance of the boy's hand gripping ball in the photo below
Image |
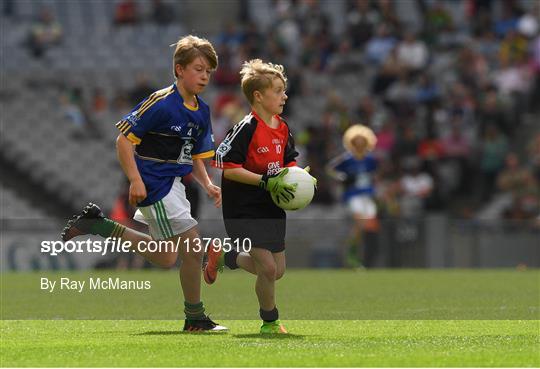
305	188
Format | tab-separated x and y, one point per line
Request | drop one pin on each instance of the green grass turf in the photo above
311	343
374	318
301	294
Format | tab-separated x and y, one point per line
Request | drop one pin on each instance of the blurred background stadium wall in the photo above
451	88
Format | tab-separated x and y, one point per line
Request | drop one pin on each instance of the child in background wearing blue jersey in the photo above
355	168
164	138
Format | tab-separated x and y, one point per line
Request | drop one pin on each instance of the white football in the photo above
304	191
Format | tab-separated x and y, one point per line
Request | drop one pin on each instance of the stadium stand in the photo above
53	135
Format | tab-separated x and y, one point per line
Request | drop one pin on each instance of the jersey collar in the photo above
187	106
262	121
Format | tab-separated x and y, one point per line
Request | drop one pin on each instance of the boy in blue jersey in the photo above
164	138
355	168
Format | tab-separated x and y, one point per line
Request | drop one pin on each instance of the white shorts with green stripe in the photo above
169	216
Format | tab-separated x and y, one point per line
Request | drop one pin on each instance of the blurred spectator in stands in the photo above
336	115
314	139
509	20
126	12
121	103
311	19
45	32
361	21
457	151
379	46
388	73
324	49
388	189
73	112
365	110
488	46
430	152
344	60
389	16
141	90
227	73
438	20
400	97
535	66
162	12
229	36
253	41
407	144
533	155
493	150
513	177
528	23
491	112
412	53
99	101
386	140
472	68
225	117
287	30
513	81
518	181
416	187
513	48
428	91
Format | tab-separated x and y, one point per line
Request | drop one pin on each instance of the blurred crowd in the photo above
455	139
452	100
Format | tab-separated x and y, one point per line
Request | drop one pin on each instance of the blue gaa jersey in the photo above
359	180
168	135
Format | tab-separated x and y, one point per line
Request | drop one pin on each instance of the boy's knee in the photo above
280	273
194	256
269	271
168	261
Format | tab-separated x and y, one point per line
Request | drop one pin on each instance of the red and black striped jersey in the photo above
253	145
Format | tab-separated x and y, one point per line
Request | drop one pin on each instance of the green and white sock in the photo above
194	311
107	228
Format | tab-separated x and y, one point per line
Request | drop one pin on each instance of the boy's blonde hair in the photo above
188	48
258	76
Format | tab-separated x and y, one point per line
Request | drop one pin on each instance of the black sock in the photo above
230	259
269	316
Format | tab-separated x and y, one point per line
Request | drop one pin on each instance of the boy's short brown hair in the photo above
258	75
188	48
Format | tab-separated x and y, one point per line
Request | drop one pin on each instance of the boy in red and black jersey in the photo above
255	146
254	157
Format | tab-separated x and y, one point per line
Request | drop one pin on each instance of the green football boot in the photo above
273	328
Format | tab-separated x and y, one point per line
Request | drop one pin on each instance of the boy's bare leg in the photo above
266	268
92	221
139	242
279	258
190	269
245	261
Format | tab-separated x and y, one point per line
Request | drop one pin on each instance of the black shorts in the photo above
268	234
249	212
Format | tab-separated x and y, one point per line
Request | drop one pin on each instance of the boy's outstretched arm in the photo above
201	175
125	152
331	170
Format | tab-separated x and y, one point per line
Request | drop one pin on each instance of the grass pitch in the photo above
375	318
